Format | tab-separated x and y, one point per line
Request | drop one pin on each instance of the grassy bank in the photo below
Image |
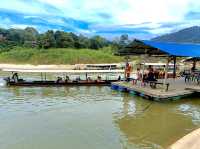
58	56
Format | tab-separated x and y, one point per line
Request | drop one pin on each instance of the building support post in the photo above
41	76
174	70
166	72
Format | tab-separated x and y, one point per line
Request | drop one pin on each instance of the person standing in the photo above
127	71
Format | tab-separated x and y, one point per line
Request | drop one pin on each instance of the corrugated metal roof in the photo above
176	49
139	47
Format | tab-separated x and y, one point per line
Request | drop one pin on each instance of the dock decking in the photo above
177	89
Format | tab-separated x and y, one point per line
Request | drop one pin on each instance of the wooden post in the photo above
143	67
174	71
45	77
166	72
86	76
41	77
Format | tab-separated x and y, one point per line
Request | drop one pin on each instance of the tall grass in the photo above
58	56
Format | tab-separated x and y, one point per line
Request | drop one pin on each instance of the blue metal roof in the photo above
175	49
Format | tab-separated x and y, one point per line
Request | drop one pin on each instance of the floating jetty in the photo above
177	89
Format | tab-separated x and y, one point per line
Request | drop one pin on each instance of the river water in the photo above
90	118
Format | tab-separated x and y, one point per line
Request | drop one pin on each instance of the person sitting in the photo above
156	74
119	78
78	78
15	77
99	78
150	76
89	79
59	80
67	79
193	69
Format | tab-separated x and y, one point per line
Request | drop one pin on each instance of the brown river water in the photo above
90	118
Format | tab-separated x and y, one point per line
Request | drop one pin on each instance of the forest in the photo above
29	46
31	38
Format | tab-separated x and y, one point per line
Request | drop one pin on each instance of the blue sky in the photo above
142	19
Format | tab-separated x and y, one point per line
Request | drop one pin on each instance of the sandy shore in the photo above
29	66
53	67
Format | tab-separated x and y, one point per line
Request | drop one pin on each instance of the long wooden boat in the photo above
55	83
44	82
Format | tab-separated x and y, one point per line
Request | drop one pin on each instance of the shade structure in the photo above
138	47
170	50
176	49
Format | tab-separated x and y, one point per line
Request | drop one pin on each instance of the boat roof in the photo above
159	64
101	65
62	71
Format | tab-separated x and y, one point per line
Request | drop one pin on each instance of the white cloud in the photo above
121	12
131	14
20	6
21	26
126	11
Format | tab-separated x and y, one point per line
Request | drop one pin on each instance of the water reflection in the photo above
90	117
155	125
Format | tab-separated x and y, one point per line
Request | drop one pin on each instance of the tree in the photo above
123	40
47	40
30	37
16	35
83	42
64	40
32	31
97	42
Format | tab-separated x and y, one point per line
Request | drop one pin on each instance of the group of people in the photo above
67	79
192	75
148	75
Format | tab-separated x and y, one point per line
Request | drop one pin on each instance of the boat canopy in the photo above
62	71
158	64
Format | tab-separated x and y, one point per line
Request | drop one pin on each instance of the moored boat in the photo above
55	83
16	81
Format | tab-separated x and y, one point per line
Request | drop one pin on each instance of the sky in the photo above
142	19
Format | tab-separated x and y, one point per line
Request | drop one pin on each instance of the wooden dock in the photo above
177	89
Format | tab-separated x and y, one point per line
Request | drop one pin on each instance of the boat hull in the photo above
54	83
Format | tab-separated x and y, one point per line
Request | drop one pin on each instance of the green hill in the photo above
58	56
188	35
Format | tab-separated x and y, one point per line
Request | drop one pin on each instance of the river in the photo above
90	118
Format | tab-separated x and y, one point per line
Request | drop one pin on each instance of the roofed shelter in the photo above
153	48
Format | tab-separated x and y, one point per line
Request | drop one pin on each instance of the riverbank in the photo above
59	56
30	66
50	67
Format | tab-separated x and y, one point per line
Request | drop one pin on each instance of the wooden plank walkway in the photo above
177	89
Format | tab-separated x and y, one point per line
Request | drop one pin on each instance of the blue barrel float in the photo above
114	87
133	93
122	89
